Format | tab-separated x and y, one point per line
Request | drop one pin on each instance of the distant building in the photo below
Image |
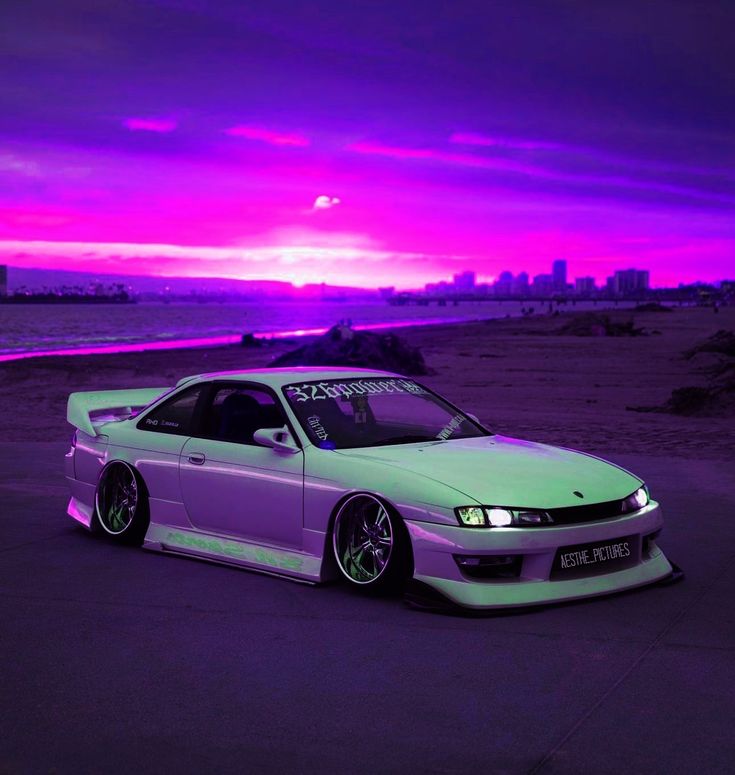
386	293
519	286
504	284
464	282
543	285
584	286
559	274
626	281
441	288
3	280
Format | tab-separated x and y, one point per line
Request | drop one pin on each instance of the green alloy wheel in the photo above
368	543
121	503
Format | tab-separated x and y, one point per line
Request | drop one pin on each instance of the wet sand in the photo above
517	375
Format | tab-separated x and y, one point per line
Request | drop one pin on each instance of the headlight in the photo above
499	516
471	516
637	500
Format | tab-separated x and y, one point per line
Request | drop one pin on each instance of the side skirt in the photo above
296	566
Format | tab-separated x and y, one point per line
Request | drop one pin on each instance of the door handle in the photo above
197	458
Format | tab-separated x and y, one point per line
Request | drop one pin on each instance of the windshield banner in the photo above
319	391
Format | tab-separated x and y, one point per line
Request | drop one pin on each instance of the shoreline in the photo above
225	340
520	376
220	341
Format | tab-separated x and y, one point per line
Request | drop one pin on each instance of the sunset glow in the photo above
351	154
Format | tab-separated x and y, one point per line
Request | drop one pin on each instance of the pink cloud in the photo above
36	218
495	164
268	136
324	202
151	124
476	139
444	157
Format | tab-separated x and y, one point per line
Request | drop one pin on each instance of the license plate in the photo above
597	557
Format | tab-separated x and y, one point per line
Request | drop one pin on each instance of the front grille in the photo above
593	512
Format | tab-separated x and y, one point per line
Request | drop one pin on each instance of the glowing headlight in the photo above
471	516
638	499
497	516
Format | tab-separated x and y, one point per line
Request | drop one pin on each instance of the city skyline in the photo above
556	282
559	282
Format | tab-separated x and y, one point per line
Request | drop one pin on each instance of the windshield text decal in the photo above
313	391
450	427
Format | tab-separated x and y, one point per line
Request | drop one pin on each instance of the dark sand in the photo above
520	380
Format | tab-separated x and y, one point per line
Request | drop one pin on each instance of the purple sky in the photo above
368	142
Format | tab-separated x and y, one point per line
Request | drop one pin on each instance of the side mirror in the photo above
279	439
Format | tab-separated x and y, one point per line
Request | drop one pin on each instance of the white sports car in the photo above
316	474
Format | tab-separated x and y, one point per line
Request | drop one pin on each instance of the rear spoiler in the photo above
109	403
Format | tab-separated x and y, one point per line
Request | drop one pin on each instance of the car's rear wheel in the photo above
121	503
370	543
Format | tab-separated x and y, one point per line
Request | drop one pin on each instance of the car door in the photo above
157	437
233	486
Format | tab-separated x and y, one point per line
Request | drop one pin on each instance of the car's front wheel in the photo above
370	544
121	503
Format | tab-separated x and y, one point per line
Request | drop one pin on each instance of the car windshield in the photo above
375	411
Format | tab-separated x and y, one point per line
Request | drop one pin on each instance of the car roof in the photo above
277	378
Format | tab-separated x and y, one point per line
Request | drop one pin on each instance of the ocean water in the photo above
36	329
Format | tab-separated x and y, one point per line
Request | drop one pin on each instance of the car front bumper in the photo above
435	547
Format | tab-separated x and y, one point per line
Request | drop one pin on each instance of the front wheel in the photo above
121	504
370	544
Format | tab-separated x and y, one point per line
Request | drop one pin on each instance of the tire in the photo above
121	503
371	544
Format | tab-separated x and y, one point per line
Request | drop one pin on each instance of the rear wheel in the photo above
370	544
121	503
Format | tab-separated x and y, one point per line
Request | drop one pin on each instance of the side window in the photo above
235	413
175	415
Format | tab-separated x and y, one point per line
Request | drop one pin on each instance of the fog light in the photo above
490	566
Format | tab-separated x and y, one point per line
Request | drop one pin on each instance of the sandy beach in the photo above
519	376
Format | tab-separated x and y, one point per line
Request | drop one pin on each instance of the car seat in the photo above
240	417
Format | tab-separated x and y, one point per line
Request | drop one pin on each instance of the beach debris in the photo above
250	340
343	346
722	343
652	306
715	400
594	324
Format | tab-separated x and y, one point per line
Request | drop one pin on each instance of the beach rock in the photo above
652	306
714	356
594	324
714	400
250	340
723	342
711	364
343	346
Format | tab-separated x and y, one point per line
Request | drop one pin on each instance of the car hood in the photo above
501	471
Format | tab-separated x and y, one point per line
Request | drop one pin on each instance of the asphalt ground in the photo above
120	660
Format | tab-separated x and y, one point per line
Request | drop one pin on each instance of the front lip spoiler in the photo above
676	575
422	597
